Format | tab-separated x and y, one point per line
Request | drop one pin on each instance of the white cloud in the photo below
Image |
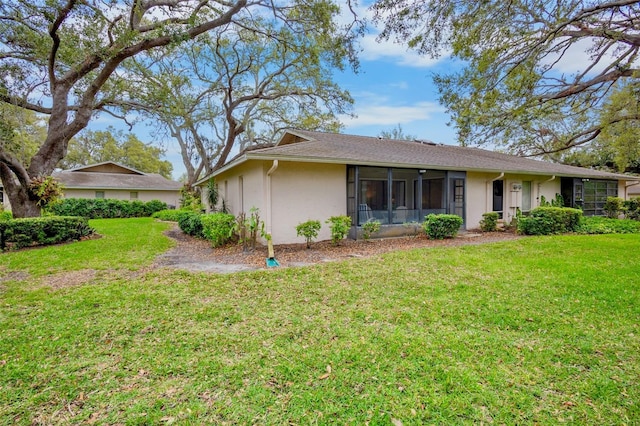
374	50
385	115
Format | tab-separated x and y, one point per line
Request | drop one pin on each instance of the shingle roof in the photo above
309	146
84	178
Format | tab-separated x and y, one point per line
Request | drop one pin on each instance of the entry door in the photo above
457	198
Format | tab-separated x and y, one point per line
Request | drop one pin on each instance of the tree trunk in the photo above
22	204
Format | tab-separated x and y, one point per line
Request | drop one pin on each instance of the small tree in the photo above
613	207
309	230
370	227
339	226
489	222
247	228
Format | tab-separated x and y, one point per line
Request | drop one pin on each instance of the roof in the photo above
319	147
110	175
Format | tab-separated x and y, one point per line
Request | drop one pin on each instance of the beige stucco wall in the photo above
306	191
242	188
480	194
299	192
170	197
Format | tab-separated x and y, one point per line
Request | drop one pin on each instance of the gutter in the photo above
488	208
268	196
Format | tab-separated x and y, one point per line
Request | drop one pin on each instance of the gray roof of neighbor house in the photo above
319	147
110	175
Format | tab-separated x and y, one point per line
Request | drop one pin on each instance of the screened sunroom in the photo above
396	196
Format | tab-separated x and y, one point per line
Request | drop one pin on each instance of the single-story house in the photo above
113	180
314	175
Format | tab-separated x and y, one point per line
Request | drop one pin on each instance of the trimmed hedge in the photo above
604	225
550	220
440	226
219	228
171	215
27	232
106	208
190	223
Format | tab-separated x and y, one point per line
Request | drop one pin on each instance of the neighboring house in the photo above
314	175
634	190
112	180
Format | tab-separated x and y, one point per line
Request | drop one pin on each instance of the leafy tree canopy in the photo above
397	133
65	58
515	88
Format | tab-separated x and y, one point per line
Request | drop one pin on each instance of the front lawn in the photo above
534	331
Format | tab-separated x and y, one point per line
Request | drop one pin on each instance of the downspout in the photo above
489	208
540	186
268	200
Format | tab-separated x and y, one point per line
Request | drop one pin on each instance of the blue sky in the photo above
393	87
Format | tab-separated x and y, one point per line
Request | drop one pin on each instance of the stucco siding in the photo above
242	188
172	198
480	194
306	191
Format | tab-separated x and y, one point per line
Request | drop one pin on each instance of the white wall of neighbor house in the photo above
480	194
172	198
306	191
627	189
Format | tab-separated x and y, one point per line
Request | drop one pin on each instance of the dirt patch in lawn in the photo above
194	254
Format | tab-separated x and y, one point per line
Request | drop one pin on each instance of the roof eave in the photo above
267	157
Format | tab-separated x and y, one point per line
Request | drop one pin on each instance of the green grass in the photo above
125	244
534	331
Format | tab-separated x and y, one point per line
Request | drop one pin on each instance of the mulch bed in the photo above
191	249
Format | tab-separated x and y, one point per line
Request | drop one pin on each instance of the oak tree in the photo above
533	75
63	58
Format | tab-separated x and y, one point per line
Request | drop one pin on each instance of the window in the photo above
1	196
595	193
526	196
133	195
99	194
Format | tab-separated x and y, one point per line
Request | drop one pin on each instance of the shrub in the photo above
154	206
440	226
190	222
558	201
170	215
5	215
19	233
340	226
309	230
550	220
613	207
489	222
632	208
105	208
603	225
218	228
247	228
370	227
